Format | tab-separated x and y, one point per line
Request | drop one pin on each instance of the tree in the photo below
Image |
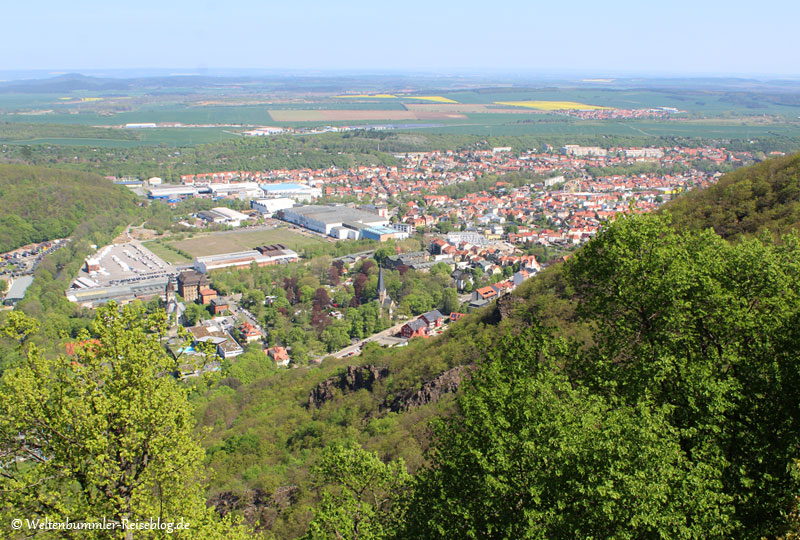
106	432
531	455
450	302
3	286
708	330
194	313
360	501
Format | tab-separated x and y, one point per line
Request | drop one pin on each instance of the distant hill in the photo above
38	204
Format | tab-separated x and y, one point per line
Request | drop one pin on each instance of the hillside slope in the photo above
745	201
701	306
39	204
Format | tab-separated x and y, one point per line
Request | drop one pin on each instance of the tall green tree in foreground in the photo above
710	331
362	495
104	433
532	456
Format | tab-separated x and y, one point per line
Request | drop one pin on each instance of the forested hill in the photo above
38	204
648	388
743	202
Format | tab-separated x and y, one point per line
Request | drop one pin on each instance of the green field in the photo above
167	254
232	241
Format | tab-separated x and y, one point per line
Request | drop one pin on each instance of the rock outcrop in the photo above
258	507
354	378
505	306
431	391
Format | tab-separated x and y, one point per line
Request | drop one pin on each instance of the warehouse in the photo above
268	207
323	219
223	216
296	192
121	294
244	259
17	290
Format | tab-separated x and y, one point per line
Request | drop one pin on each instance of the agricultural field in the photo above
217	113
332	116
230	241
552	105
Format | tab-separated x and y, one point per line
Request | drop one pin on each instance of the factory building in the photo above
223	216
237	190
337	221
262	257
296	192
16	291
121	294
268	207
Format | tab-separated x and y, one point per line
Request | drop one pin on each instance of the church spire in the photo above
381	285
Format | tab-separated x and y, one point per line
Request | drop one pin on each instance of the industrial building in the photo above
341	222
121	294
17	290
176	192
223	216
268	207
296	192
238	190
261	257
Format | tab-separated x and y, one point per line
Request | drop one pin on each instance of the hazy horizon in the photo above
617	39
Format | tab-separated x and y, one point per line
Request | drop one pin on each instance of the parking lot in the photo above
120	264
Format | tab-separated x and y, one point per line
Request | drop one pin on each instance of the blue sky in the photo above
617	37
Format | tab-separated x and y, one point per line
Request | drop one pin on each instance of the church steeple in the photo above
381	285
384	302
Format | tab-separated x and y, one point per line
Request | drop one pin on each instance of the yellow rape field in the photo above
375	96
551	105
437	99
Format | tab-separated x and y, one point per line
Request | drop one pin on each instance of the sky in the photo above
591	38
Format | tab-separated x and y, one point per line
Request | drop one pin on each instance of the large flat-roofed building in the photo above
240	259
240	190
222	215
121	294
296	192
174	192
17	290
323	219
583	151
120	272
268	207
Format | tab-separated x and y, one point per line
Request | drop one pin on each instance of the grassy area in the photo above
231	241
169	255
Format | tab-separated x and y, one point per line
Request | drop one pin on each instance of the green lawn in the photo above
165	253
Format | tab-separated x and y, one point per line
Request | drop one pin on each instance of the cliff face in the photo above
354	378
431	391
256	506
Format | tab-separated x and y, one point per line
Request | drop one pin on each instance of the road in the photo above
355	350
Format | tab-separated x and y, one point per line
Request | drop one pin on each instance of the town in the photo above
481	221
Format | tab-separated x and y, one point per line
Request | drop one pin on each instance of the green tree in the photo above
361	497
708	330
533	456
107	432
450	302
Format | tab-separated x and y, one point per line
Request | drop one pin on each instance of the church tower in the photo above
384	302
